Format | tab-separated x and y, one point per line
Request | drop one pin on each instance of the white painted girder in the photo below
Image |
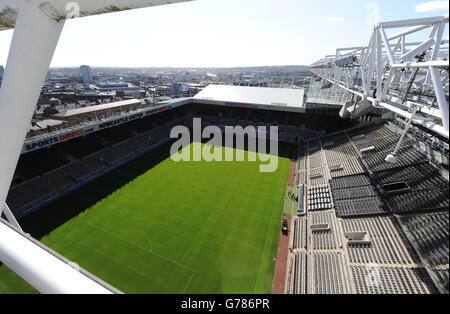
376	67
62	9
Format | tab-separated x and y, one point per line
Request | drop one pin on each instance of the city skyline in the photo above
218	33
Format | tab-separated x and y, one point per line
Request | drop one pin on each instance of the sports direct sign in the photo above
36	144
28	147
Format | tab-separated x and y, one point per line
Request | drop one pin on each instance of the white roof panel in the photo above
45	124
59	9
279	97
75	112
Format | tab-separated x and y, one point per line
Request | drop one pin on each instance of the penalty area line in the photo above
148	251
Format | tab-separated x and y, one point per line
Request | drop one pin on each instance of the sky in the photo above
226	33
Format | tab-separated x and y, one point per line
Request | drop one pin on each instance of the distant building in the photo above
185	77
163	90
86	74
192	91
48	77
113	86
2	70
176	90
121	89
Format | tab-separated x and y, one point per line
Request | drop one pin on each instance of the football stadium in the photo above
358	202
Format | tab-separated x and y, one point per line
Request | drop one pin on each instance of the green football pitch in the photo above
176	227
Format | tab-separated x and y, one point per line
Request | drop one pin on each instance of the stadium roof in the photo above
45	124
276	97
60	10
180	101
114	105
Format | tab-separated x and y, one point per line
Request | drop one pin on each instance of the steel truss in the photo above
410	79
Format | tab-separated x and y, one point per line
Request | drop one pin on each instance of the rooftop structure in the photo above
321	95
281	98
44	124
111	107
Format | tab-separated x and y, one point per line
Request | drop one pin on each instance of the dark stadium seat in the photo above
82	147
418	201
359	207
115	135
417	177
142	125
145	139
257	115
29	193
36	163
78	171
59	180
431	235
125	149
109	156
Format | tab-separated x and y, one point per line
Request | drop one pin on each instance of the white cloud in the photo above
335	19
432	6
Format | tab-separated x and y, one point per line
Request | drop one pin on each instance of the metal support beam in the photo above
393	158
41	269
388	47
432	126
418	50
412	65
415	22
440	96
379	65
400	75
10	216
62	9
32	47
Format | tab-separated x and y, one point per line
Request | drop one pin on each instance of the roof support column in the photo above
10	217
440	96
32	47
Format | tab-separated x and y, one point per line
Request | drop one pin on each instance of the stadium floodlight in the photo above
37	27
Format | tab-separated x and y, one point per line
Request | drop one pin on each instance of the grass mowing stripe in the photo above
213	218
139	247
279	189
149	251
